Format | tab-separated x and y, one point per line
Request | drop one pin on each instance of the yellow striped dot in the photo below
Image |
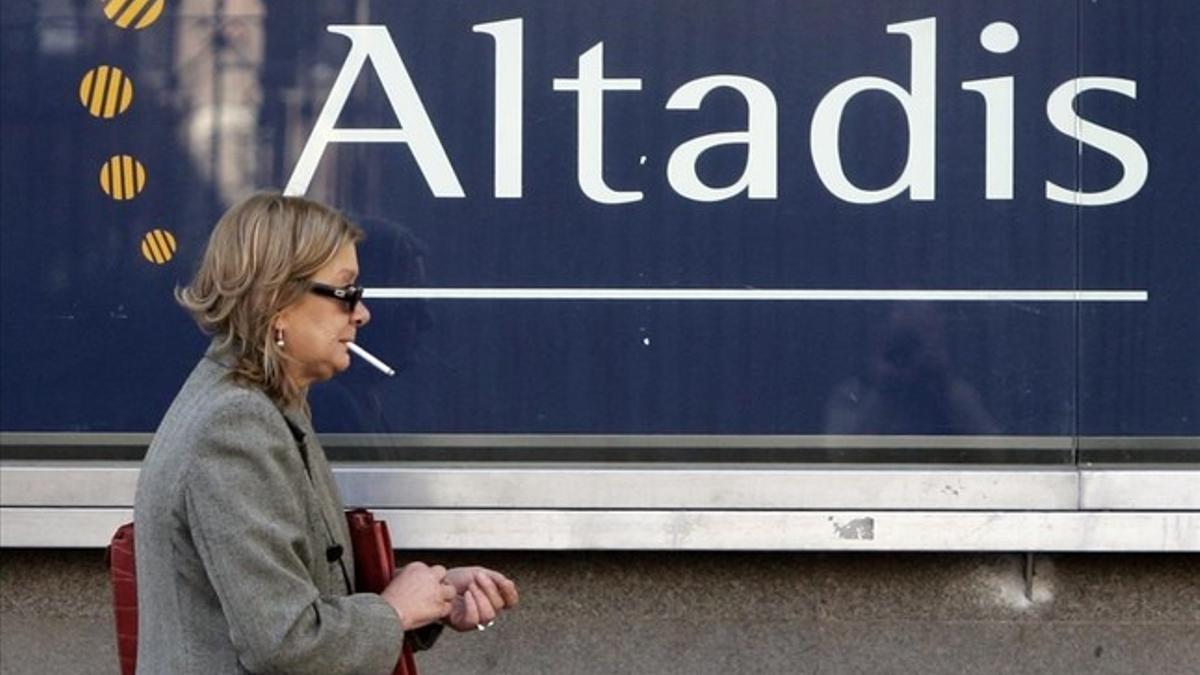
135	13
158	246
122	177
105	91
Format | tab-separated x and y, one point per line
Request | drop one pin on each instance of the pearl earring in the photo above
279	337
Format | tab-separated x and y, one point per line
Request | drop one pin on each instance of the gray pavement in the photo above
667	613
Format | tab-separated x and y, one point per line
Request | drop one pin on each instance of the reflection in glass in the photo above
909	385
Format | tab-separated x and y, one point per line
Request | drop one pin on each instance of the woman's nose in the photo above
361	314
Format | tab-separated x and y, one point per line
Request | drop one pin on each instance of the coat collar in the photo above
294	416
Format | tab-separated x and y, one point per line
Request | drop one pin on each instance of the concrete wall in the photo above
587	612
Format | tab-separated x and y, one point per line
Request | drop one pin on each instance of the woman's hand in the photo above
481	595
420	595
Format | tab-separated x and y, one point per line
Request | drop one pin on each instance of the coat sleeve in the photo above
243	495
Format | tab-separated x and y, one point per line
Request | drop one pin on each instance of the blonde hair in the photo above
261	257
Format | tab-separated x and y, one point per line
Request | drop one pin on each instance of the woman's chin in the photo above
327	371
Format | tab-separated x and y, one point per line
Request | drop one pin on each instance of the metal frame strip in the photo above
701	530
688	507
584	441
504	486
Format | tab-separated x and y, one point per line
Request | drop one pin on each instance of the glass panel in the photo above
1139	366
796	147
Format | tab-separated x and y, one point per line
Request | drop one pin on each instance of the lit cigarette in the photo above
370	358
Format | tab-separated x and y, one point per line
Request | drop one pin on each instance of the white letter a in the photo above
373	43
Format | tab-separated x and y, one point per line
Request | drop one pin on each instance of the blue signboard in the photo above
824	218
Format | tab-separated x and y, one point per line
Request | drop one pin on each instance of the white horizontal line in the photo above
749	294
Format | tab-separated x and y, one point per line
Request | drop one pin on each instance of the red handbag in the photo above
123	573
374	566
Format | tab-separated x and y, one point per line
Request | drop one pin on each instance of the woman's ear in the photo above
281	321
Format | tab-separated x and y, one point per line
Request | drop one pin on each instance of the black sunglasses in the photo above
351	295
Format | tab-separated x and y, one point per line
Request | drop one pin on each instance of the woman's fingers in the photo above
503	585
470	610
420	594
469	597
508	589
487	611
488	587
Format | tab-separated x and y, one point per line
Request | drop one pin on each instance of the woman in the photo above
243	557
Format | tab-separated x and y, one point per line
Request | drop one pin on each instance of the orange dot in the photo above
135	13
105	91
122	177
158	246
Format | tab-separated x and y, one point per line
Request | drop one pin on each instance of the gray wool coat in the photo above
235	515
